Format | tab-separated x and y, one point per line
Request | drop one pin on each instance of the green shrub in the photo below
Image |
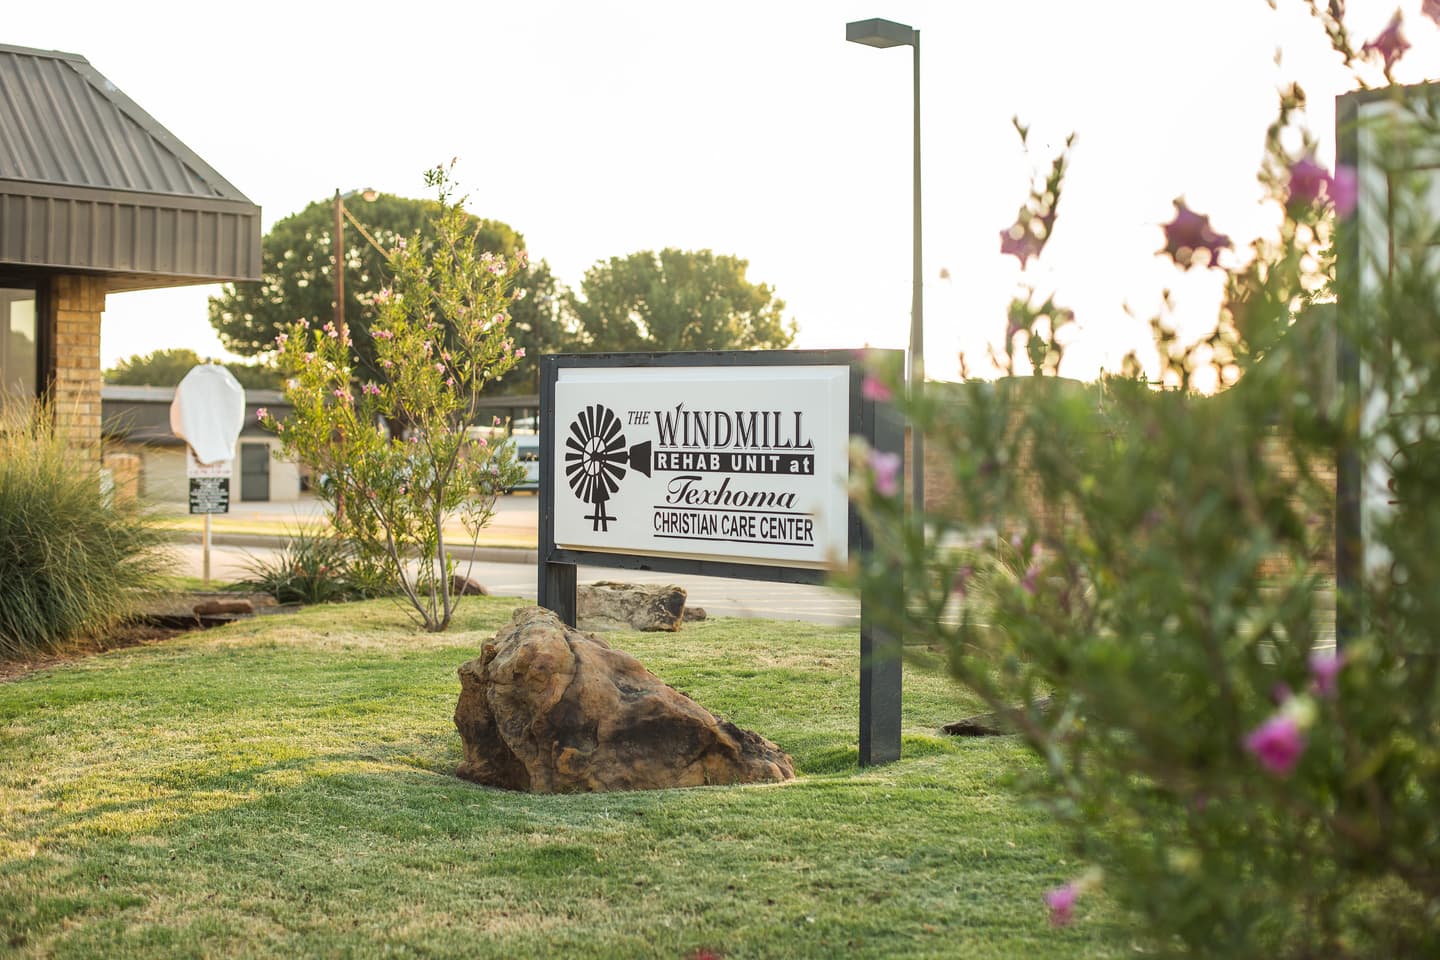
1156	563
71	562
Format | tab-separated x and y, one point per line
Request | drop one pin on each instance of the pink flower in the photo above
449	381
1277	744
1325	669
1344	191
371	389
1061	902
494	421
885	470
1020	242
383	335
280	339
1190	233
1308	181
341	393
520	353
262	413
439	368
1390	43
873	388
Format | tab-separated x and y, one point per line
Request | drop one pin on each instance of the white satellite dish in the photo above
208	412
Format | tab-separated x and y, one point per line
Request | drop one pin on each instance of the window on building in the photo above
19	344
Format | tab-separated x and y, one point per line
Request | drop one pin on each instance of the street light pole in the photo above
337	246
888	33
917	323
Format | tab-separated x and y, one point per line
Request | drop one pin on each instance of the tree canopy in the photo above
298	279
166	368
677	300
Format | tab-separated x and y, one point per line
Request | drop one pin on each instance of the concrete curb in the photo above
481	552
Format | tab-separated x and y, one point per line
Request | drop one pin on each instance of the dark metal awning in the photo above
91	183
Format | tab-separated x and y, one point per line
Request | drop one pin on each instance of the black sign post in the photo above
878	424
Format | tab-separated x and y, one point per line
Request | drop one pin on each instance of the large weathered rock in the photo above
549	709
607	604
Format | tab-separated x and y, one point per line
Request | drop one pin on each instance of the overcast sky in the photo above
599	128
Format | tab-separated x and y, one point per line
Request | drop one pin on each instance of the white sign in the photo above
219	468
732	463
208	411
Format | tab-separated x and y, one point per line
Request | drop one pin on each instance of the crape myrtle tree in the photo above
1137	579
677	300
297	281
440	336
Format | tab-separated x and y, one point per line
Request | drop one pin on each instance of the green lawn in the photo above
283	787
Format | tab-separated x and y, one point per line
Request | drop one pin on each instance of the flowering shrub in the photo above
1139	580
401	455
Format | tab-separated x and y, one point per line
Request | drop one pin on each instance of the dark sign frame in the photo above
879	424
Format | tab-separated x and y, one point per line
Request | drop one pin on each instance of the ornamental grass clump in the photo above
72	563
406	451
315	568
1139	576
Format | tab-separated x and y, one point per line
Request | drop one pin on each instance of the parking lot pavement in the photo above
719	596
517	517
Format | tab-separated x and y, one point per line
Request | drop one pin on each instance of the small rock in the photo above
991	724
640	606
693	613
213	608
548	709
462	586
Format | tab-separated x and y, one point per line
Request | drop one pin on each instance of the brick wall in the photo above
124	470
74	305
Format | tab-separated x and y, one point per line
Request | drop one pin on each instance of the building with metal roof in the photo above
96	196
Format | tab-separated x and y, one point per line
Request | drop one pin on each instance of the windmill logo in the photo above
596	458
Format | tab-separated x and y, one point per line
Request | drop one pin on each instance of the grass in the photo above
283	787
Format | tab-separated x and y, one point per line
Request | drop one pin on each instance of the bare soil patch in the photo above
163	619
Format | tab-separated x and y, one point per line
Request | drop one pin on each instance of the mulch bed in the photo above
157	623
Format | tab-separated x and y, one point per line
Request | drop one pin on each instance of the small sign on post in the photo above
207	413
209	484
